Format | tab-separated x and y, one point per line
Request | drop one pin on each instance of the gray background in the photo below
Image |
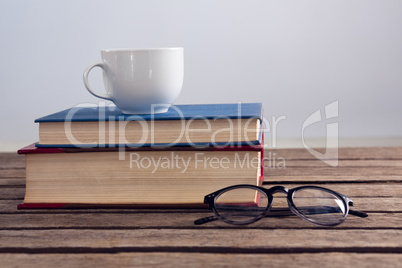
293	56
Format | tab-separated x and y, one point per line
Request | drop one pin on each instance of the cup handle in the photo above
86	83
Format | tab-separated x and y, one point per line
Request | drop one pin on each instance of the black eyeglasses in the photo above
244	204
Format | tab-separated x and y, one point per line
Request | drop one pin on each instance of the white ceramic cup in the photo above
140	81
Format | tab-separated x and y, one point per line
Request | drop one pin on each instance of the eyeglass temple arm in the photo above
358	213
280	213
207	200
205	220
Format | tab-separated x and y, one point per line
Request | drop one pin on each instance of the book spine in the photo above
39	206
106	206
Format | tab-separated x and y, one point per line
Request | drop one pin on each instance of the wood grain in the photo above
214	240
138	219
336	171
12	160
342	163
12	193
363	153
332	179
12	173
168	237
20	182
196	260
369	204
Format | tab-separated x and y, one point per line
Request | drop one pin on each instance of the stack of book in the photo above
98	156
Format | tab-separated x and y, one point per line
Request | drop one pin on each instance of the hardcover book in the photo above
157	177
233	124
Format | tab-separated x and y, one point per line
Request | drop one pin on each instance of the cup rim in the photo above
140	49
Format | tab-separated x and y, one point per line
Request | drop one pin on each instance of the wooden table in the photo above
168	238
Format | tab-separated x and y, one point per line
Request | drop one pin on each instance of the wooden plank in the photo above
370	190
335	171
12	182
12	160
176	219
12	173
378	204
10	207
331	179
349	189
343	153
275	178
218	240
372	204
180	259
12	193
341	163
364	190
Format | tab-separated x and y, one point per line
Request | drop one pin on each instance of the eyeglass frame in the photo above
210	200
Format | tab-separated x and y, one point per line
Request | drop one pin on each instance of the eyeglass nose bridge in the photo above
279	189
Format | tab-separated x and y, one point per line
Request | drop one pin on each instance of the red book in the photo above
135	177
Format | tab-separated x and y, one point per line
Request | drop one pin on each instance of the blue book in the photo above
232	124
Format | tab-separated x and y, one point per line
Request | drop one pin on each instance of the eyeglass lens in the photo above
319	206
245	205
241	205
